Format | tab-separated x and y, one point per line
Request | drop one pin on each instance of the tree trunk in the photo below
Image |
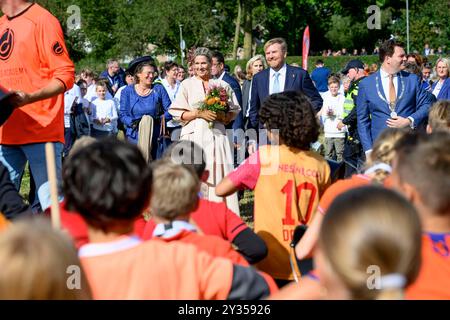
237	30
248	27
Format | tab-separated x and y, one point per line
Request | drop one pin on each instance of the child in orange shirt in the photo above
172	218
3	222
288	178
109	183
421	172
369	246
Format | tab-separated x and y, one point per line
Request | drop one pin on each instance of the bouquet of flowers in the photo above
216	100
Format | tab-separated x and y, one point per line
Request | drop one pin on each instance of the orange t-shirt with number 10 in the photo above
288	183
32	54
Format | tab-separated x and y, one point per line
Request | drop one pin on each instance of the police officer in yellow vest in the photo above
353	152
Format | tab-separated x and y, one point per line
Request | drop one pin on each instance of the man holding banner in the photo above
36	68
278	78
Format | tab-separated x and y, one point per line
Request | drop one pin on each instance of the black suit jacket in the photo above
297	79
238	123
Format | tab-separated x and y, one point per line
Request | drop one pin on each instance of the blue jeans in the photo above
15	157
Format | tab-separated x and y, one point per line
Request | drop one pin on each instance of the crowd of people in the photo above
427	51
153	212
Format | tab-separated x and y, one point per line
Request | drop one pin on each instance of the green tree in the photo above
428	24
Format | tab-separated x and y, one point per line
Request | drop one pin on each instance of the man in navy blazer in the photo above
390	97
279	77
218	72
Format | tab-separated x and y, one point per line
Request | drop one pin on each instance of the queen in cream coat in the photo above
216	144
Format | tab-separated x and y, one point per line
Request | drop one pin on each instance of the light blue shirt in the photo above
281	79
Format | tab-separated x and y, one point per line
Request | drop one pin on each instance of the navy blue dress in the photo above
133	107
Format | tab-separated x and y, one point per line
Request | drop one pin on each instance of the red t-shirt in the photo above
212	218
75	225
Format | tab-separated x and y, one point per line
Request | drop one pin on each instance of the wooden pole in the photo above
53	181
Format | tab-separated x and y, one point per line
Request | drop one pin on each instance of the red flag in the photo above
305	48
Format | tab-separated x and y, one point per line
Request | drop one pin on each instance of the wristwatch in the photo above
412	122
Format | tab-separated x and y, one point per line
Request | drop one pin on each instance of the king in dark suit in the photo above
390	97
279	77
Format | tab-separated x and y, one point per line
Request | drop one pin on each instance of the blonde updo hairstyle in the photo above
249	65
383	151
202	51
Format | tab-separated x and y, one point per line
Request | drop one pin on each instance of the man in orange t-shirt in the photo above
35	65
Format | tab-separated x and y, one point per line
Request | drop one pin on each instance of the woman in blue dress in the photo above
144	98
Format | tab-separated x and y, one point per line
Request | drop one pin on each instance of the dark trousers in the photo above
68	141
354	158
99	134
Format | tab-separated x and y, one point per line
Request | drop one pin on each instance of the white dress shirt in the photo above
438	88
171	91
330	122
69	99
385	82
102	109
247	115
221	75
281	78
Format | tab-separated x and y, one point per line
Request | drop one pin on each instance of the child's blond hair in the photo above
37	262
383	151
439	116
175	190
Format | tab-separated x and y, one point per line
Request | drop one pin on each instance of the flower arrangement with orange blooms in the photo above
216	100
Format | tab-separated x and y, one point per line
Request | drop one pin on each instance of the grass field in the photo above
246	207
25	186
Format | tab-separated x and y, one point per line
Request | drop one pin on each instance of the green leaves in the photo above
126	28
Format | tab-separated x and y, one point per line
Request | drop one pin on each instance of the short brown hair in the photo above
439	115
110	62
175	190
280	41
141	66
102	84
87	73
425	164
387	49
333	79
